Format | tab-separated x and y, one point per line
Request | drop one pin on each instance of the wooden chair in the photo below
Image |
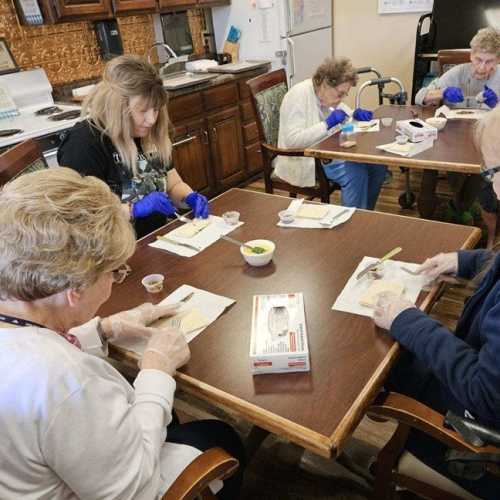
193	482
448	58
21	159
396	467
267	93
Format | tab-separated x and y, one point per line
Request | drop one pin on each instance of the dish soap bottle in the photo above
347	138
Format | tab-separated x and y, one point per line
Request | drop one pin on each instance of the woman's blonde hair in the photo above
486	40
107	107
335	72
59	230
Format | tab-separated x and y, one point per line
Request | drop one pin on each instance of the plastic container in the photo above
153	283
347	138
232	217
402	139
286	216
387	121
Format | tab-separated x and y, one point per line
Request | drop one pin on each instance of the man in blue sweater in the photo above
458	372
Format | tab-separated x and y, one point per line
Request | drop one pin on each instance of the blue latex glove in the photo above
453	94
362	115
198	203
155	202
489	96
335	117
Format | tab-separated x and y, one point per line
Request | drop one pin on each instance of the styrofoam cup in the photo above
153	283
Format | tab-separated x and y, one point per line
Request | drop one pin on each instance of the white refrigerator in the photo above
292	34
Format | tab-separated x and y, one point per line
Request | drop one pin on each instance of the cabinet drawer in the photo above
220	96
247	113
253	158
250	132
185	107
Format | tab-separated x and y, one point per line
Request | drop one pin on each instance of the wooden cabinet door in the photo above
71	9
191	156
226	145
167	4
120	6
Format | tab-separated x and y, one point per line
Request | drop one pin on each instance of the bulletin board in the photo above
400	6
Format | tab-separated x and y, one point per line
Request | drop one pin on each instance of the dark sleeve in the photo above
470	262
84	151
473	377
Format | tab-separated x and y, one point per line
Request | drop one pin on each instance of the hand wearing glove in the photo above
127	324
198	203
389	306
443	263
335	117
155	202
166	350
362	115
489	97
453	94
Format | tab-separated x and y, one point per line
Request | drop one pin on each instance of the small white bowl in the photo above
286	216
258	259
387	121
437	121
153	283
401	139
232	217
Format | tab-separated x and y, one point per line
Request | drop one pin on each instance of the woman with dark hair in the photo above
461	371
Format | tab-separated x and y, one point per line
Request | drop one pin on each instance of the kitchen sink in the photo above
183	79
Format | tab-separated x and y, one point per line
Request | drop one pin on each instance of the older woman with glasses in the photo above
458	372
310	111
71	425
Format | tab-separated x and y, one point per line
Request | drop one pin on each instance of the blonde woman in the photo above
124	142
458	372
72	427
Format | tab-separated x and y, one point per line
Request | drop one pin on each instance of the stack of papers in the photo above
182	241
355	290
315	216
409	149
202	309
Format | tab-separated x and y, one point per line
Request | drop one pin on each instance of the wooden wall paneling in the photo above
121	6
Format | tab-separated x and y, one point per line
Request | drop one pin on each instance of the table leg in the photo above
255	438
427	200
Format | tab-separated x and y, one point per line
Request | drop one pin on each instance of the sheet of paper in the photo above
370	126
348	300
202	240
328	222
460	114
208	305
409	149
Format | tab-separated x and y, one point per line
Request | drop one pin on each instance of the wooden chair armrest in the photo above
214	463
410	412
274	151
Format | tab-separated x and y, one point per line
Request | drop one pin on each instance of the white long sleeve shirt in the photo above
302	124
72	427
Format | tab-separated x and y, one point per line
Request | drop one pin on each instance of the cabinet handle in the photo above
205	135
214	131
184	141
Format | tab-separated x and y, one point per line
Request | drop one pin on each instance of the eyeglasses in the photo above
121	273
489	173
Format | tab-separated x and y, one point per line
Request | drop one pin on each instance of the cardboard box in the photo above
416	130
278	342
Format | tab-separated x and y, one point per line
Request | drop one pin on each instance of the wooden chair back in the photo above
192	484
448	58
267	92
21	159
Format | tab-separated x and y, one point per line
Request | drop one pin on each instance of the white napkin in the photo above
209	304
348	300
409	149
315	223
202	240
460	114
374	126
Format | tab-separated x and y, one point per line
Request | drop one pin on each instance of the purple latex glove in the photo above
453	94
335	117
198	203
489	96
362	115
155	202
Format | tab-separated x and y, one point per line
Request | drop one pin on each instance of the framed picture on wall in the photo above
7	61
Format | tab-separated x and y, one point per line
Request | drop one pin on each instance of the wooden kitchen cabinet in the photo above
124	6
191	156
84	9
226	144
168	4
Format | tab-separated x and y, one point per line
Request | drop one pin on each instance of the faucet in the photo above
172	57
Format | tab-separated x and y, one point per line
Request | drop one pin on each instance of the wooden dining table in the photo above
350	356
